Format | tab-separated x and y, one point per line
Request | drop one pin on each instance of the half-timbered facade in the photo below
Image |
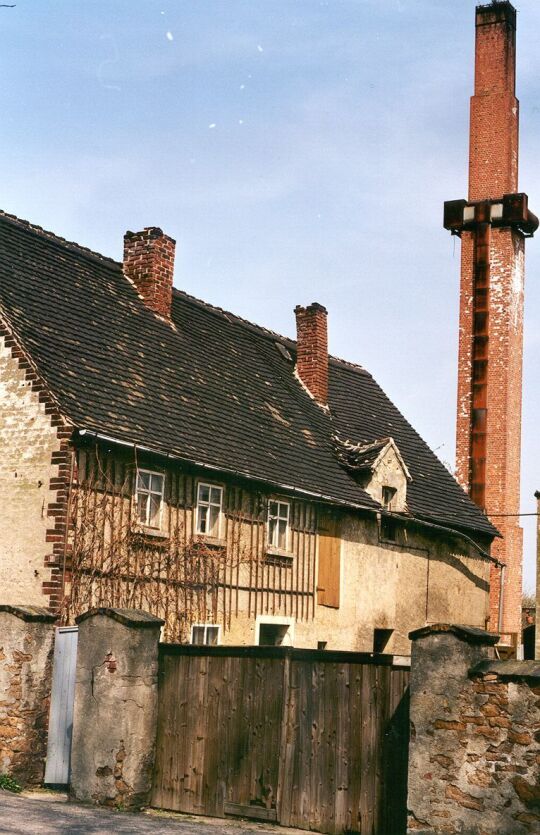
159	453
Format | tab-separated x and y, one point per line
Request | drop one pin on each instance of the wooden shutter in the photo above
328	579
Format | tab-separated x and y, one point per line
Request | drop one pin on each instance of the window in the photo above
388	495
278	525
209	502
205	634
271	631
388	525
381	638
149	498
389	529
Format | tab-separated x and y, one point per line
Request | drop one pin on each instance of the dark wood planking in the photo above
315	739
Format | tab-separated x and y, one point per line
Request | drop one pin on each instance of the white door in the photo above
57	769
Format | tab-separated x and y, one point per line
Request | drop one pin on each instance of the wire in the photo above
500	515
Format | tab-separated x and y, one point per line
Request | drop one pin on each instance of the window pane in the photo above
284	511
197	634
143	480
204	493
212	635
215	495
157	483
273	509
202	520
155	506
272	531
213	521
142	504
282	534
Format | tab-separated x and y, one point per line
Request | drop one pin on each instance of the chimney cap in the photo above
496	12
151	232
311	308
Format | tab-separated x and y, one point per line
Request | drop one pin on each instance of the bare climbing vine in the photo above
115	562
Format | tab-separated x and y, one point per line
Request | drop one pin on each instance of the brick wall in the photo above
493	171
475	737
149	263
35	461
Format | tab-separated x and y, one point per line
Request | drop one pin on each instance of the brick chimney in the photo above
149	263
493	158
488	438
312	350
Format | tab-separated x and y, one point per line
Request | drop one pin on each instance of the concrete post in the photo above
441	658
26	652
115	713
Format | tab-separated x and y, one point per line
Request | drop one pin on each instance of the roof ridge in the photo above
228	314
57	240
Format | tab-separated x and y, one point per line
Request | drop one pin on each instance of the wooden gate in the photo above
311	739
57	769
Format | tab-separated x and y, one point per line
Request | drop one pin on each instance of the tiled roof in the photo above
212	389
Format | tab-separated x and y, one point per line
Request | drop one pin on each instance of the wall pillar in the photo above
26	653
115	713
438	792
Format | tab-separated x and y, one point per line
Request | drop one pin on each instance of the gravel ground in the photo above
45	814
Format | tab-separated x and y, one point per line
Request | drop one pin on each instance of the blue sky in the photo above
297	150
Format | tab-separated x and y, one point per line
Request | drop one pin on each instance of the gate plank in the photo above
306	739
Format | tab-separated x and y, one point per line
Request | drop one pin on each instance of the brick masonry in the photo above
149	263
35	473
26	653
493	171
475	739
312	350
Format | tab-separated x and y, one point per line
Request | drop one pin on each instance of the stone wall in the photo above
26	653
115	712
474	760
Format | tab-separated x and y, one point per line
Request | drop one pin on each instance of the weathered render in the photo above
115	710
26	650
28	441
474	755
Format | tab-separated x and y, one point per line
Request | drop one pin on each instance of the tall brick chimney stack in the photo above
149	263
312	350
493	224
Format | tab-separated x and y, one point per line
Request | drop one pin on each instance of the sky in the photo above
297	150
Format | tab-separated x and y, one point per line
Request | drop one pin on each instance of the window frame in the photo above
211	486
149	492
279	621
388	494
205	627
275	549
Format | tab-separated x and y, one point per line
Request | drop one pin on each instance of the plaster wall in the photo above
26	652
385	586
115	711
389	472
27	441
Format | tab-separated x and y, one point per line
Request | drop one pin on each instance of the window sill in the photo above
150	533
274	556
211	541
